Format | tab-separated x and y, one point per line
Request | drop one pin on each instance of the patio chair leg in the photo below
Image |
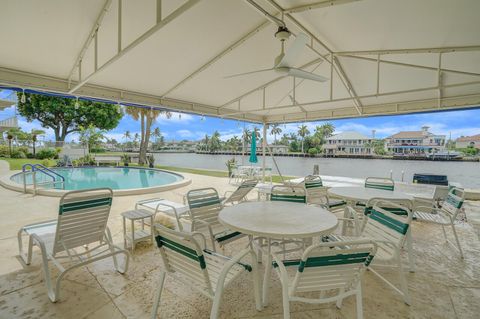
339	301
411	257
458	241
403	282
268	270
158	295
444	234
27	258
286	301
359	302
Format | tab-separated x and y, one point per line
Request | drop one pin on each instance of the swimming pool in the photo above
129	179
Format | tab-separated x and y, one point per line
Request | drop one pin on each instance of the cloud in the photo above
176	118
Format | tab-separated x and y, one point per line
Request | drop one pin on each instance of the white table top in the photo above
364	194
278	219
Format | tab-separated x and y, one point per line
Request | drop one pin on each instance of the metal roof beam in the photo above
417	66
318	5
219	56
412	50
90	38
182	9
431	88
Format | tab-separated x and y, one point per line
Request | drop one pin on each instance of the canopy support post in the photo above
264	151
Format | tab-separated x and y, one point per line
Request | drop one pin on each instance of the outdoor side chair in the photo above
389	231
317	194
326	267
204	207
82	221
184	256
384	183
444	216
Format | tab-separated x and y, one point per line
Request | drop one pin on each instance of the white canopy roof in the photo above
389	56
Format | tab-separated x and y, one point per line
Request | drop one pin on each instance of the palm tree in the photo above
275	130
303	132
257	132
146	118
206	139
127	136
13	133
34	133
135	140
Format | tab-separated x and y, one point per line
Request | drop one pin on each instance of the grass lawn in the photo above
17	163
275	178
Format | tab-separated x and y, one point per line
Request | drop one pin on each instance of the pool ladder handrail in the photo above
46	171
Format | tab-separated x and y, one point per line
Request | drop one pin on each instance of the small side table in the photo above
141	234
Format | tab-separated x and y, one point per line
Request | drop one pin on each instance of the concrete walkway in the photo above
444	286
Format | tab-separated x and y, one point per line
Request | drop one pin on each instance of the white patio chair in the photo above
82	221
185	257
293	193
268	174
240	193
317	194
384	183
389	231
204	207
327	267
445	215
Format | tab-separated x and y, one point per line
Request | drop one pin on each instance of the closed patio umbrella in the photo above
253	149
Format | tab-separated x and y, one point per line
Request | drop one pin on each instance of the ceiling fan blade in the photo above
306	75
294	51
247	73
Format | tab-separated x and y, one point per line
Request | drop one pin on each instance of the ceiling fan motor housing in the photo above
282	33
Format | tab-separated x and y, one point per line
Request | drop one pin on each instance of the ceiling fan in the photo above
283	63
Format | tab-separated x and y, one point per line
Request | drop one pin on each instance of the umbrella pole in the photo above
264	146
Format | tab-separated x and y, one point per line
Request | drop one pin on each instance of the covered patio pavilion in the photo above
377	57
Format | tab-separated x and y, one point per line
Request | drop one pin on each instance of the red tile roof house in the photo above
468	141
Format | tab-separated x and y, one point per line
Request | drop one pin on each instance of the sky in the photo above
193	127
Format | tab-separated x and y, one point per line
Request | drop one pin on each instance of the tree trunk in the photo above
141	153
33	146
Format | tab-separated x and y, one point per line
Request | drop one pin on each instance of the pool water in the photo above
112	177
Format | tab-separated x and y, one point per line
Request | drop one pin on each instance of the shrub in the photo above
46	163
30	155
313	151
97	150
4	152
86	160
18	154
46	153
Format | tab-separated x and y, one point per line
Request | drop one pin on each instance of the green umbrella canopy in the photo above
253	150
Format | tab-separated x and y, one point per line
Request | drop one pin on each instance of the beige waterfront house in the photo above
349	142
7	122
415	142
468	141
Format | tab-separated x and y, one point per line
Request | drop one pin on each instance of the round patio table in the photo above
274	220
359	193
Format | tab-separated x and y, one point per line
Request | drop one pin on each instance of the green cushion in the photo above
288	198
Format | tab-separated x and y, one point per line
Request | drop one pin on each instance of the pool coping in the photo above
6	182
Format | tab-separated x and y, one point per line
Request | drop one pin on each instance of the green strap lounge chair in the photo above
445	216
204	207
389	231
317	194
336	268
185	258
80	235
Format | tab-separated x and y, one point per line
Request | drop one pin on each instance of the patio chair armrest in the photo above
236	258
282	270
228	266
204	223
202	238
148	200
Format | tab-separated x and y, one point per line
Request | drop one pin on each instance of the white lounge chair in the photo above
165	206
82	221
389	232
204	207
326	267
203	270
444	216
240	194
